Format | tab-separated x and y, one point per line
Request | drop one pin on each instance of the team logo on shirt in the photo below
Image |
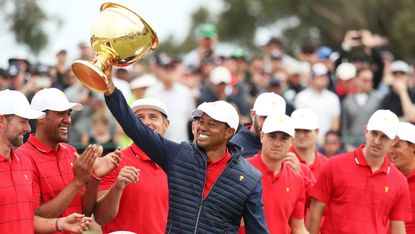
25	176
287	189
386	189
241	178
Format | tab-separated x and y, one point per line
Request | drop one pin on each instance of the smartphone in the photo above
357	37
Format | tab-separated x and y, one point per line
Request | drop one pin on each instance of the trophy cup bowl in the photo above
119	35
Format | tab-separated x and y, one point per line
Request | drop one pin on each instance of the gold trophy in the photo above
119	35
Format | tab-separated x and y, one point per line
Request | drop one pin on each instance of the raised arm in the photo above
159	149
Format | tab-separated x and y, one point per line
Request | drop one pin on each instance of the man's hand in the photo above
82	167
126	176
108	74
399	85
75	223
292	161
104	165
351	39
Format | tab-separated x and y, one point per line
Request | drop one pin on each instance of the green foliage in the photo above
25	22
331	19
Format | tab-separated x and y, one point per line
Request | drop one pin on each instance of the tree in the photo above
331	20
25	20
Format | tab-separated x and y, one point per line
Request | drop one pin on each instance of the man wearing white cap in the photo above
248	135
59	173
403	156
401	98
306	127
361	191
147	199
283	188
214	88
211	187
16	195
318	98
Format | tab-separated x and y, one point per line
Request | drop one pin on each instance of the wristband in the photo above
95	176
57	225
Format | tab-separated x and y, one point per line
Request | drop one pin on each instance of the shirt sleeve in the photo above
402	207
159	149
298	211
323	188
254	212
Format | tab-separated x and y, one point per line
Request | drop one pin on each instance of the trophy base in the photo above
90	75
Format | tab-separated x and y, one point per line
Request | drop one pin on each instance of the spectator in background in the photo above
100	133
177	97
402	155
368	45
332	144
207	38
140	85
237	65
4	79
216	87
318	98
345	74
401	98
59	71
19	71
360	191
357	108
255	80
85	51
325	56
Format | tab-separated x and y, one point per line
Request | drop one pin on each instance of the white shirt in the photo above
180	104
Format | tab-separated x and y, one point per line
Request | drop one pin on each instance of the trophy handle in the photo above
91	75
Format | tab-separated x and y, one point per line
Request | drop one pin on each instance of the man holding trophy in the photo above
211	187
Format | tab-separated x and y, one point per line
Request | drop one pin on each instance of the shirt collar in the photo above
13	156
140	153
225	157
361	160
411	176
265	169
37	144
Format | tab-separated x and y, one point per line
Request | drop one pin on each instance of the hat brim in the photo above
71	105
31	114
151	107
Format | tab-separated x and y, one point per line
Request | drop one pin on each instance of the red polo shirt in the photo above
16	196
410	225
214	170
318	164
283	195
52	171
144	205
359	201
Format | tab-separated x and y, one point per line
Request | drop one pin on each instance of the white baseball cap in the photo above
400	66
220	74
406	132
346	71
13	102
149	103
278	123
385	121
53	99
220	111
143	81
269	103
305	118
319	69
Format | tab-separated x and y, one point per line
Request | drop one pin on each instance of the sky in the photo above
77	17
